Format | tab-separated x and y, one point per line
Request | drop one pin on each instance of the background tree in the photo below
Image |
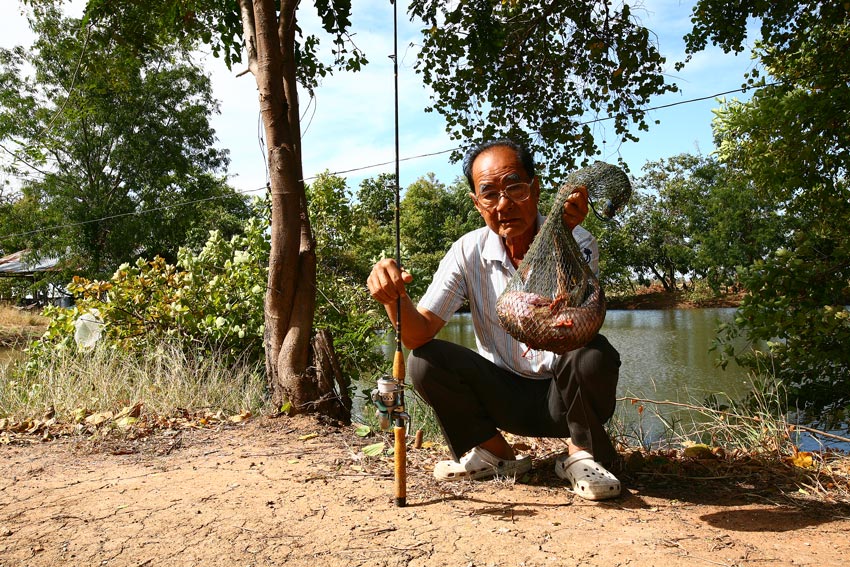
536	70
345	312
792	142
711	209
730	224
376	198
101	136
374	214
433	217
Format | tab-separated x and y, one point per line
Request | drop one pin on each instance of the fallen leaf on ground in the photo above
99	418
803	459
362	430
374	450
240	417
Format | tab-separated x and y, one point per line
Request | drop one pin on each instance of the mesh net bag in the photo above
554	301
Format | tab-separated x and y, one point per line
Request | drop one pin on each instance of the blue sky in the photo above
350	123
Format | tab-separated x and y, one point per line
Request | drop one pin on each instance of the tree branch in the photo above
249	37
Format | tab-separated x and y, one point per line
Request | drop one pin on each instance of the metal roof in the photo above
18	264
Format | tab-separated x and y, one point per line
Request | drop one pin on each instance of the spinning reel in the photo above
389	398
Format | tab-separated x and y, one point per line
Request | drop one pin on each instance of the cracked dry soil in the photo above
291	491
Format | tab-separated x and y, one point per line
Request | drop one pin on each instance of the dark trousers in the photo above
474	399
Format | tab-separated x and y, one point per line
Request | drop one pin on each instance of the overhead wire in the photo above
351	170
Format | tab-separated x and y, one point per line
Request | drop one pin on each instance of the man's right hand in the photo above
387	282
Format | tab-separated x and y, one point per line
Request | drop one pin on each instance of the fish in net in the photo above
554	301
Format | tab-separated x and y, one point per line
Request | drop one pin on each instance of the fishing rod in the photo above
389	395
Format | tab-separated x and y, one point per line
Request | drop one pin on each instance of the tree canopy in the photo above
116	151
539	71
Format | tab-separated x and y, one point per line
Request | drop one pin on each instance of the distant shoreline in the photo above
668	300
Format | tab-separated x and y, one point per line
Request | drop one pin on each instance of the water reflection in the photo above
665	353
665	356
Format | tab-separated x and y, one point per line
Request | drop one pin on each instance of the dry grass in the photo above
20	326
13	317
164	379
751	448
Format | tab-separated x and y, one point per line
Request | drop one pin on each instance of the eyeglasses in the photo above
516	192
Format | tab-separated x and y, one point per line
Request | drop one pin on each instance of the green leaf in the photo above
362	430
374	450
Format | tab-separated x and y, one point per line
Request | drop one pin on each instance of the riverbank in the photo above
656	297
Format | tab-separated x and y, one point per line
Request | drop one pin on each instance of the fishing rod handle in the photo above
398	366
400	465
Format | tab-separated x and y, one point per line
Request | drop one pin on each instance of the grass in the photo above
745	444
12	317
19	326
165	380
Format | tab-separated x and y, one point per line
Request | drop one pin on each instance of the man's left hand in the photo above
575	208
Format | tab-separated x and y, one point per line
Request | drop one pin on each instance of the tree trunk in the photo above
660	277
291	295
332	394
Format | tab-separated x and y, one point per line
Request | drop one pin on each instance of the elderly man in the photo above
501	387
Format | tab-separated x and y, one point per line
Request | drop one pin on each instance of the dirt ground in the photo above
291	491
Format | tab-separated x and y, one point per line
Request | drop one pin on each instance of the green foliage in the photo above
534	70
795	315
710	218
791	141
100	135
433	216
376	199
210	301
343	305
217	23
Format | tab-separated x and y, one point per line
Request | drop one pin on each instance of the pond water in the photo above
665	357
665	353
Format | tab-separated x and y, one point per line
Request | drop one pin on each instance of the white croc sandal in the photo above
588	478
479	464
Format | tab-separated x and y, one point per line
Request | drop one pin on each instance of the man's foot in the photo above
588	478
479	464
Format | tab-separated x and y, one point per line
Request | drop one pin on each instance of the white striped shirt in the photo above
477	268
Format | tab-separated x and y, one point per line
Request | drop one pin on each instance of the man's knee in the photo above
596	365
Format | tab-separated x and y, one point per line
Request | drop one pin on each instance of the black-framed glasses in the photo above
516	192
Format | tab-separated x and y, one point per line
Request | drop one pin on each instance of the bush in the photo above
210	301
796	320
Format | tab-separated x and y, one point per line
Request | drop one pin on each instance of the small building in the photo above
25	266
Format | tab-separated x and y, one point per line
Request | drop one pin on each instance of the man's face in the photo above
493	170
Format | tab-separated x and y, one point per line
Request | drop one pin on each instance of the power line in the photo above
585	123
355	169
129	214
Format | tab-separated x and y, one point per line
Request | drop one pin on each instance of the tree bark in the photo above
291	294
333	399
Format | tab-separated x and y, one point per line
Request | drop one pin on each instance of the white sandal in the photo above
480	463
588	478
